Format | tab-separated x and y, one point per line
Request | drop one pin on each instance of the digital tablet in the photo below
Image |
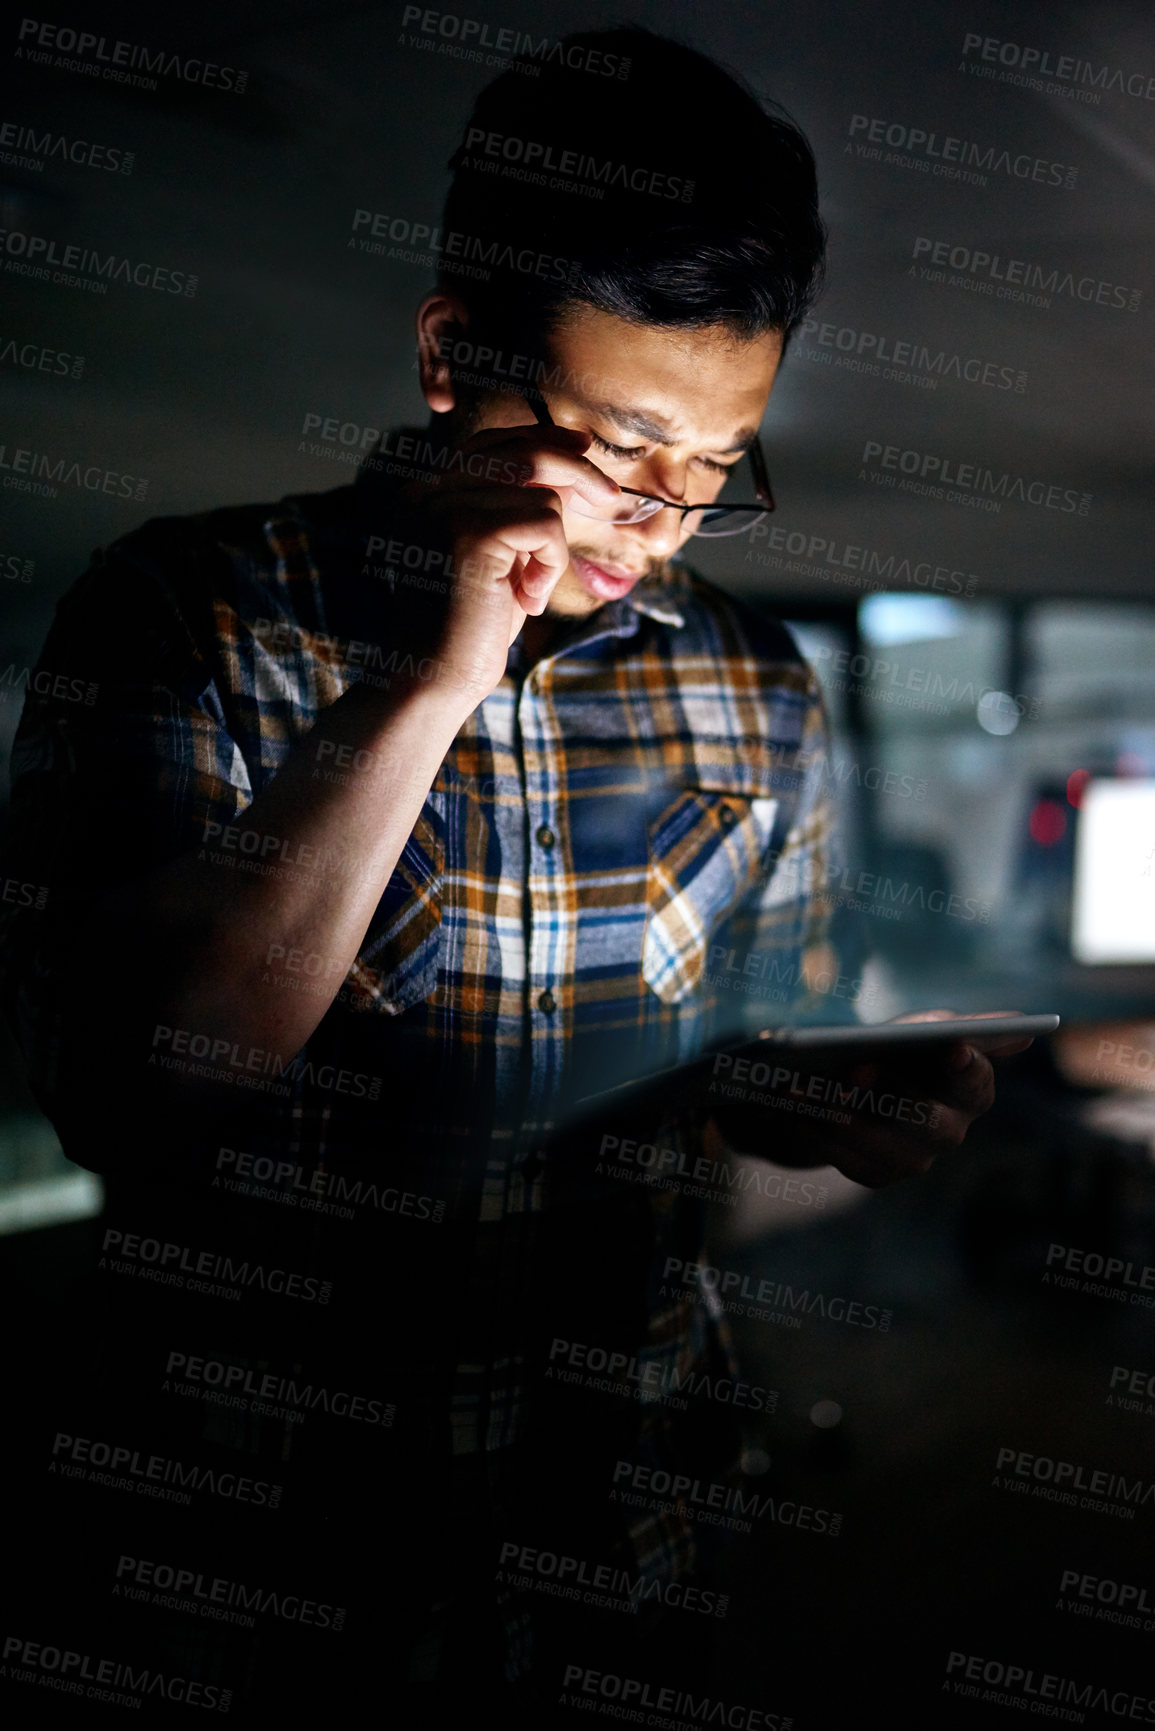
977	1031
807	1046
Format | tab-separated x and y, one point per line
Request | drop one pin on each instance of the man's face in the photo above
671	413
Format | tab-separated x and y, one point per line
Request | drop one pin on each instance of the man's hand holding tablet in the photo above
878	1103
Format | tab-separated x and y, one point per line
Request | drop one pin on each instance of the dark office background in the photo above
1034	625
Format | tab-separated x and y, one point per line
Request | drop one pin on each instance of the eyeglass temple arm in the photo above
537	403
761	474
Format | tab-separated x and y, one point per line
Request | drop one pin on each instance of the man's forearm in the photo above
190	945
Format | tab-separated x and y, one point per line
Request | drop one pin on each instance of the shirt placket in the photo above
549	921
552	886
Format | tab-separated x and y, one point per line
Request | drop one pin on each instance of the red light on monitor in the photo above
1048	822
1076	782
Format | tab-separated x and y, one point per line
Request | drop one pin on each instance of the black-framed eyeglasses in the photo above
635	507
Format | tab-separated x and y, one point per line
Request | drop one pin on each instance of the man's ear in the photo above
441	318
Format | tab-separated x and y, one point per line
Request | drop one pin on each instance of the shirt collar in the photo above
659	600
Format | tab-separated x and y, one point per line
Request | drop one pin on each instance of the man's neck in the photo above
542	632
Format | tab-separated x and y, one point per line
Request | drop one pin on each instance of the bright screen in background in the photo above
1113	906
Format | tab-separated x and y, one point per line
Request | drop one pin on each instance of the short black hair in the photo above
661	190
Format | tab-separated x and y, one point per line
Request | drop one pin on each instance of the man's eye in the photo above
632	453
619	450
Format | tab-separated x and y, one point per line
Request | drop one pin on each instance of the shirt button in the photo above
545	835
532	1167
727	815
547	1002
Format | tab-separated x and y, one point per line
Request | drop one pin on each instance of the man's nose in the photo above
667	477
661	534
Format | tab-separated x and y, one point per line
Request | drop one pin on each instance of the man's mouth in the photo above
607	582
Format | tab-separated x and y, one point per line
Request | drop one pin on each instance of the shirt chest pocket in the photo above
399	958
706	846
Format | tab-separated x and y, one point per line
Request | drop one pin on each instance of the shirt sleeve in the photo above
122	760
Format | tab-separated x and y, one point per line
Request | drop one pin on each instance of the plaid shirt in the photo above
614	830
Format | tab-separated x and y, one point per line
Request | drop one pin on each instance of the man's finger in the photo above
1003	1048
969	1089
545	457
545	469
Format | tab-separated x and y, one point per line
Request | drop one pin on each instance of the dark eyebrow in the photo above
657	430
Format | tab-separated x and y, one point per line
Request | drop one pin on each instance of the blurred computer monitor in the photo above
1113	899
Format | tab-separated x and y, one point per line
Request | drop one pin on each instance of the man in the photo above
409	815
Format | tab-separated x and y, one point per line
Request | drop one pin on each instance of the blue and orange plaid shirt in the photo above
615	829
